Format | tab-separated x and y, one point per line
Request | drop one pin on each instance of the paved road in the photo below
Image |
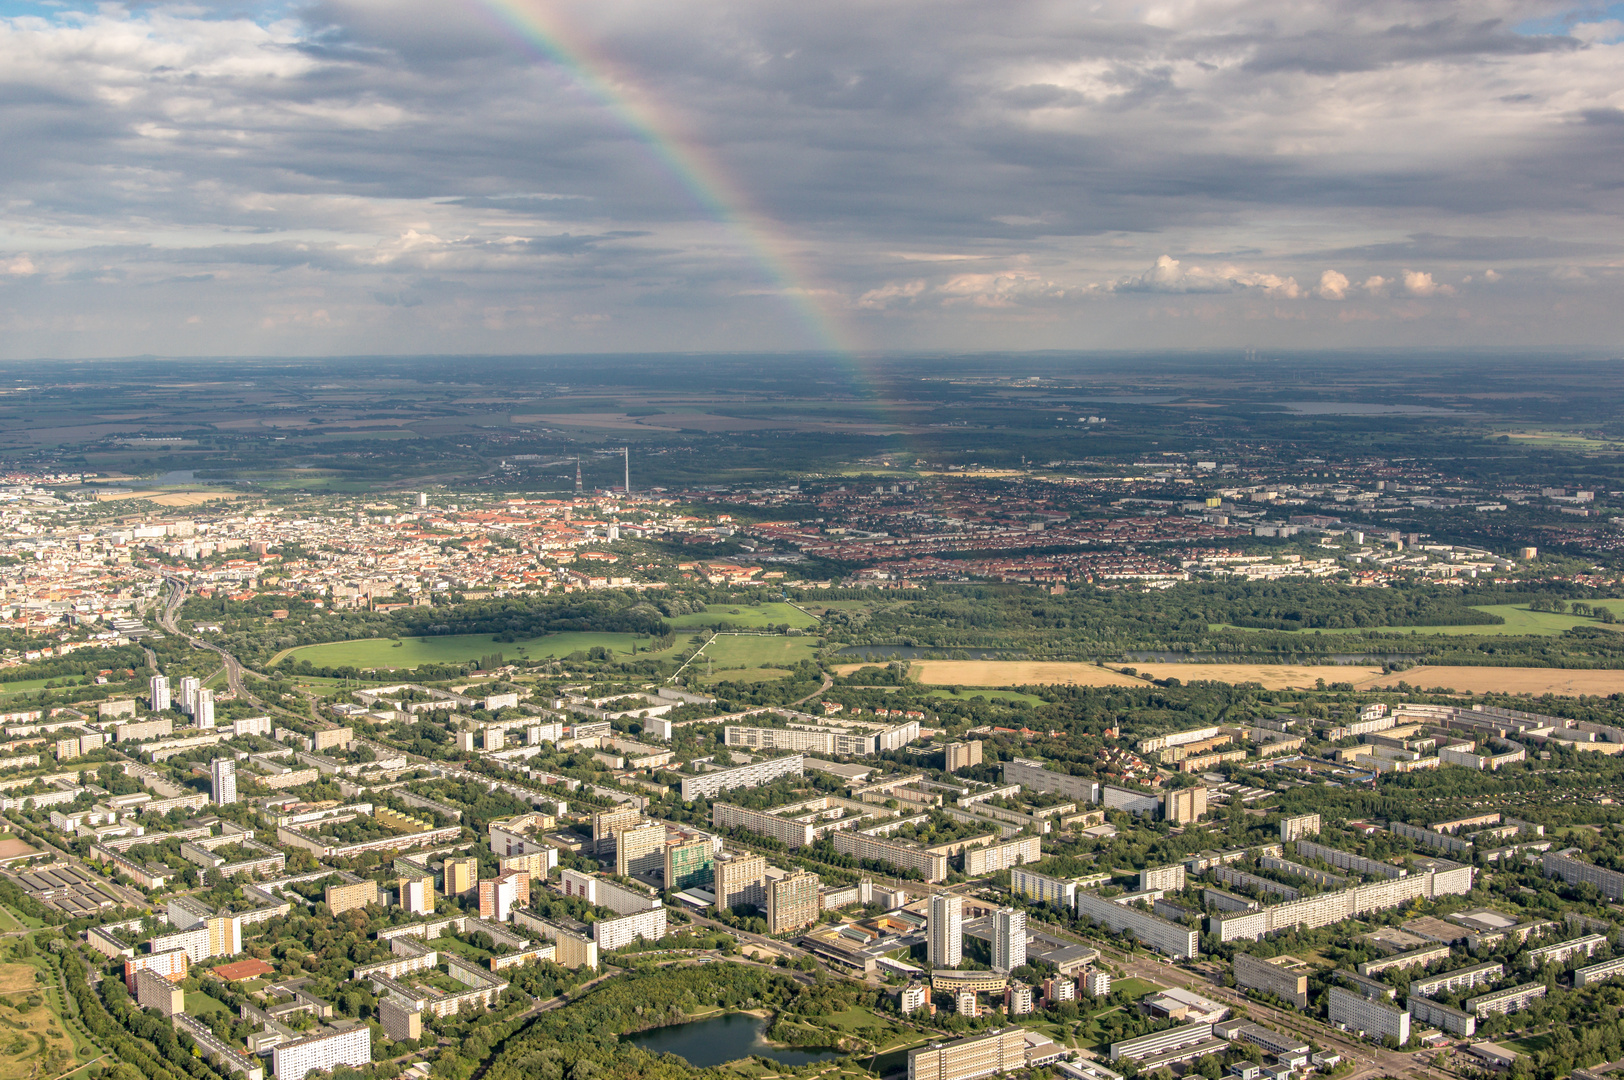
827	683
234	669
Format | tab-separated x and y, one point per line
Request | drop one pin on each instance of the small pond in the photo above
720	1039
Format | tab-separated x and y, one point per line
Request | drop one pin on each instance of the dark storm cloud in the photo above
1327	53
1493	249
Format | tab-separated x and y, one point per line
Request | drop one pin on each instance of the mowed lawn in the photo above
1519	622
455	649
745	617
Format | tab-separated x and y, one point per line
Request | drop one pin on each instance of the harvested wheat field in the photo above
1270	676
1014	673
1566	682
1562	681
194	498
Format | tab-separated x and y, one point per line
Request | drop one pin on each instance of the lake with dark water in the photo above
720	1039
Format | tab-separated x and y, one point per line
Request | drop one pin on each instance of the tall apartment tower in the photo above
203	708
1184	805
417	895
422	500
739	878
689	863
188	693
960	755
223	775
158	693
792	902
461	876
1008	940
605	822
946	946
640	848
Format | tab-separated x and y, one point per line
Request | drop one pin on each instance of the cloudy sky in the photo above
406	176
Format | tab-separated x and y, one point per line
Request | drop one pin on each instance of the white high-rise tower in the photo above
203	708
188	693
223	774
946	946
158	693
1008	940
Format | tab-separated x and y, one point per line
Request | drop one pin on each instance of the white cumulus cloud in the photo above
891	293
1332	286
1417	283
1169	275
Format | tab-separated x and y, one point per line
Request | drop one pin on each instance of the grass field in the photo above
28	686
1529	1045
1519	622
745	617
1135	987
200	1004
29	921
758	657
454	649
1563	440
462	948
31	1036
990	695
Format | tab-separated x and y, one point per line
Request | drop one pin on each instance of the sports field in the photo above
454	649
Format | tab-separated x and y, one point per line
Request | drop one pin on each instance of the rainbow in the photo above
541	29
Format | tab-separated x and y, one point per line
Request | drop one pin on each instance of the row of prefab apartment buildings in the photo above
195	933
1013	1048
1362	1004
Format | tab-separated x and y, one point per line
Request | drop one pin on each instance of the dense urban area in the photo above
1108	743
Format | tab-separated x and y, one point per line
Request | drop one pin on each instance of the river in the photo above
720	1039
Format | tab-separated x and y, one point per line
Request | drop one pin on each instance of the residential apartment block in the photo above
1578	872
1274	976
351	1046
1372	1019
708	785
1299	826
1041	887
995	857
897	853
1174	939
965	1059
689	863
